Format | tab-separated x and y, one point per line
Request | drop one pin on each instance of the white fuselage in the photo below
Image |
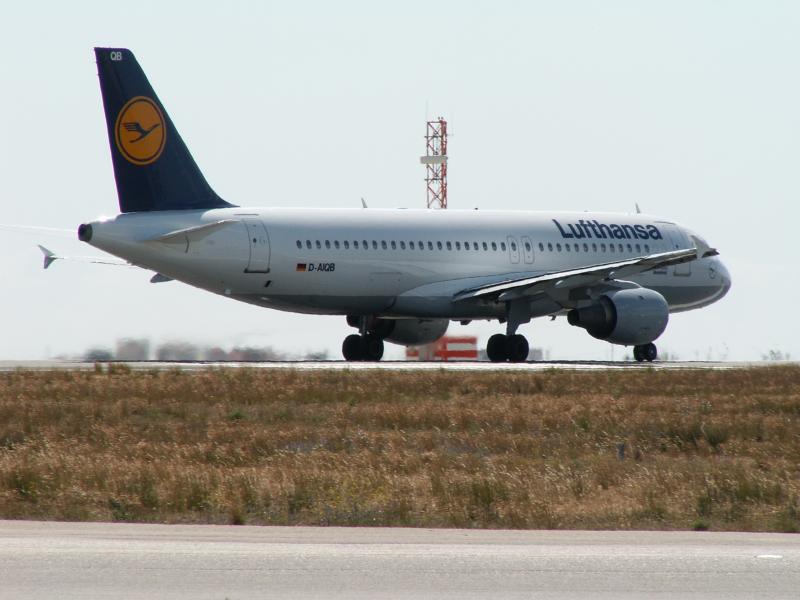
398	263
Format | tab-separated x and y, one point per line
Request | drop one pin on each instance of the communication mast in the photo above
435	161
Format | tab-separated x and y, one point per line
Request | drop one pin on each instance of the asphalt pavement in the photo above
96	560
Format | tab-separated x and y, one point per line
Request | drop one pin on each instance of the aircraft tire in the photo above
637	353
517	348
496	348
351	348
371	348
649	352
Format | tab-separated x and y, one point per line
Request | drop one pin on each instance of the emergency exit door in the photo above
258	241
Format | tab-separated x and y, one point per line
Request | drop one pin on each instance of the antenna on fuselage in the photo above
363	203
638	210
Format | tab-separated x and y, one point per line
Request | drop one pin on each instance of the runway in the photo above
77	560
388	365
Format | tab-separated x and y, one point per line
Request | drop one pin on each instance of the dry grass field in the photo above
630	449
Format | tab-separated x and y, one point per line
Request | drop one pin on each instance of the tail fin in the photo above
152	166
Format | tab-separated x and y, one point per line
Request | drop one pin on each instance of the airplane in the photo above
396	275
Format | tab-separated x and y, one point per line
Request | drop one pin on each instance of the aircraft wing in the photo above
584	276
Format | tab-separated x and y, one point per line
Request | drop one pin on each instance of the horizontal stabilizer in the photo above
50	257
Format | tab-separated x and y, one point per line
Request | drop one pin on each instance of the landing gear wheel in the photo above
645	352
496	348
517	348
351	348
371	348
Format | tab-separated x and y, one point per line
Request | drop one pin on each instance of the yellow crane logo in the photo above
140	131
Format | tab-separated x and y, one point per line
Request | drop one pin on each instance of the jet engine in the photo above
627	317
414	332
406	332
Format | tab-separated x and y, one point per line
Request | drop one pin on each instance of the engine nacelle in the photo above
627	317
412	332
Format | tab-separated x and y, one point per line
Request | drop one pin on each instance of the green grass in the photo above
704	450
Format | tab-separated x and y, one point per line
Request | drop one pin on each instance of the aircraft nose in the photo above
722	275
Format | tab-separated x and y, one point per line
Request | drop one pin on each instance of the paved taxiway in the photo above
73	560
388	365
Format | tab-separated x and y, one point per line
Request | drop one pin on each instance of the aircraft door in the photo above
513	250
679	241
258	241
527	249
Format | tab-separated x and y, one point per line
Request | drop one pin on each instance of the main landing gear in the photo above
512	348
367	347
645	352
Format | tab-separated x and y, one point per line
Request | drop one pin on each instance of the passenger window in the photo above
541	247
430	245
458	246
328	244
558	247
485	246
586	247
647	248
594	247
566	247
611	247
475	246
494	246
421	246
503	246
602	247
383	245
439	245
374	245
346	245
514	246
449	246
308	244
527	247
466	245
550	246
621	249
411	245
319	245
336	244
299	244
394	246
629	248
355	244
638	248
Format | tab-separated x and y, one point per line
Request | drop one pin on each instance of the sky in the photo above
689	108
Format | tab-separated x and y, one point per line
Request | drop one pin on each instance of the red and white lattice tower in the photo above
435	161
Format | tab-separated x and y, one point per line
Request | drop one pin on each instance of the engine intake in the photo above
627	317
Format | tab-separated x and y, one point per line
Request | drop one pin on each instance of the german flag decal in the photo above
301	267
